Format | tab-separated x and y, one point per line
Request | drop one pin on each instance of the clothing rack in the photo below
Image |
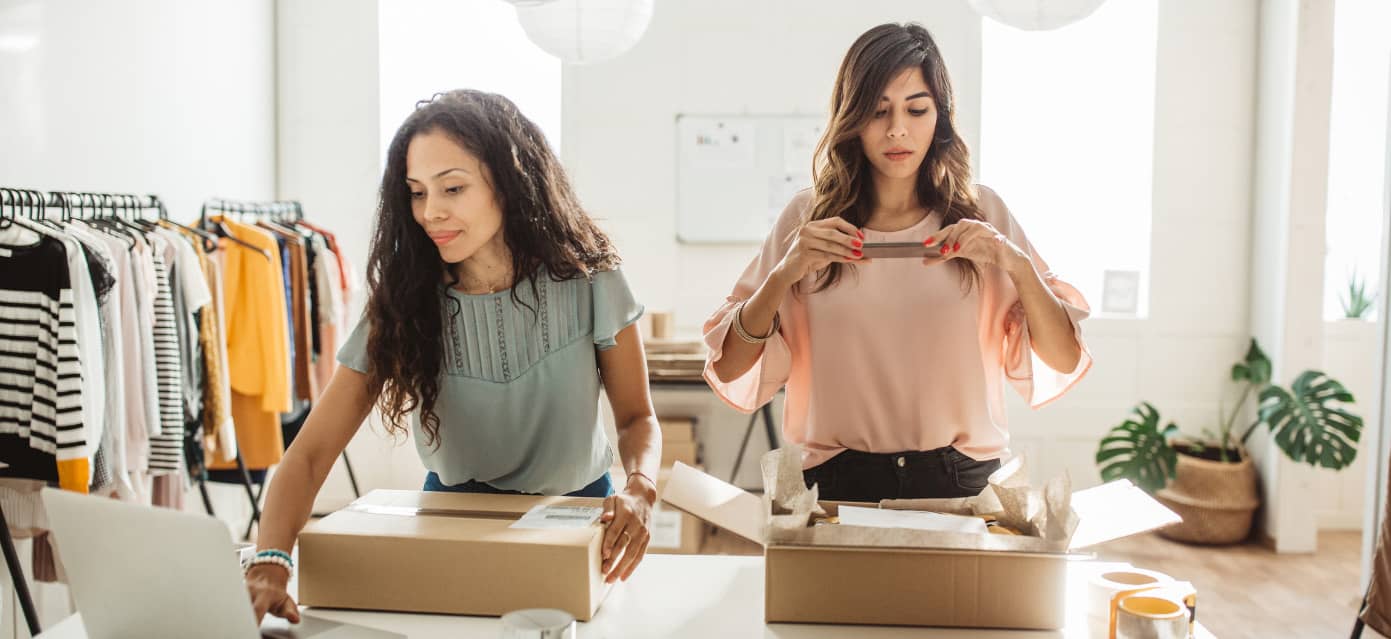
286	212
21	585
73	205
289	211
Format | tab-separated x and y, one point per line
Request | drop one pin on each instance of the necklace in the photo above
473	288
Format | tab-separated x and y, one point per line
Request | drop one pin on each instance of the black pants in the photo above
869	477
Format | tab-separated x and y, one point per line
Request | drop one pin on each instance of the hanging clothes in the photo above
109	472
41	409
217	393
297	295
127	341
329	302
258	344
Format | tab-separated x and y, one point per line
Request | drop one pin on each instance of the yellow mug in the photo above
1150	617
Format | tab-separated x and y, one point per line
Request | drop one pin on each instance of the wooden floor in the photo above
1243	591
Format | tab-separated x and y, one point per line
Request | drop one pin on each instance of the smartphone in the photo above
875	250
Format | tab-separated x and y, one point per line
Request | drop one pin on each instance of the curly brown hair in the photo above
543	226
841	172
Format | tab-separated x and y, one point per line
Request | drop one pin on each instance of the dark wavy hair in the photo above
841	172
543	226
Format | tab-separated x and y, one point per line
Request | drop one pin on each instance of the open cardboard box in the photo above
455	553
674	532
831	573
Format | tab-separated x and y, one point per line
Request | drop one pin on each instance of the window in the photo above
433	46
1356	149
1067	139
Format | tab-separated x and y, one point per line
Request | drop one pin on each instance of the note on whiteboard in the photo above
722	145
782	187
799	139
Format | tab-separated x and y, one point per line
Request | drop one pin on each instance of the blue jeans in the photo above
602	487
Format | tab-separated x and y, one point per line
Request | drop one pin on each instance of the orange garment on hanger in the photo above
258	344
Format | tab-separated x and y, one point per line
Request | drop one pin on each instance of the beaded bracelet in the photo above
273	556
272	559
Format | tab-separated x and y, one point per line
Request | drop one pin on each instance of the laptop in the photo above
136	571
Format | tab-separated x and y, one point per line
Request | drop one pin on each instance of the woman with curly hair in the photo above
895	368
496	310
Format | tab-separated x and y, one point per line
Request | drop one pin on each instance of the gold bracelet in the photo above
744	334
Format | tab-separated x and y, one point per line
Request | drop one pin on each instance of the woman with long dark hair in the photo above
895	368
496	309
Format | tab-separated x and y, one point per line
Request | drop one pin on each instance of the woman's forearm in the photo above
326	432
1050	329
738	356
640	448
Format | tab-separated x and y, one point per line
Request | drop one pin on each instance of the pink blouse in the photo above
895	357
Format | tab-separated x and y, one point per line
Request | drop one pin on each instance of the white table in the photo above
685	596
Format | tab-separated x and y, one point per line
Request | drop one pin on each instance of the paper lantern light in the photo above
584	31
1036	15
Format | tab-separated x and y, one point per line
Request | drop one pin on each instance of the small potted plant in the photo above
1357	302
1211	481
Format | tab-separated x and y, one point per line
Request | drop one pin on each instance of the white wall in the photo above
723	57
157	96
430	46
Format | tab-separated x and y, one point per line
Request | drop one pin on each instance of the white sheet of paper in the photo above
550	517
917	520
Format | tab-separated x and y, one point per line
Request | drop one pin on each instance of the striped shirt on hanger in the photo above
41	430
166	448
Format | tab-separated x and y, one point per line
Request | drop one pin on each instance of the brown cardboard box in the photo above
677	429
895	576
452	553
674	532
678	451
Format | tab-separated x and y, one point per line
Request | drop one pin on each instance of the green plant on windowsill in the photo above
1308	422
1357	302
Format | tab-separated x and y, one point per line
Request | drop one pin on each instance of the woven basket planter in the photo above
1217	500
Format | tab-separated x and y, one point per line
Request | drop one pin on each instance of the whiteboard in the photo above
736	173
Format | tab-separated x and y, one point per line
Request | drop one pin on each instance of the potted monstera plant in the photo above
1210	480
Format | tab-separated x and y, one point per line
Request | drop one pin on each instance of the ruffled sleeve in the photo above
771	370
1031	377
353	353
615	308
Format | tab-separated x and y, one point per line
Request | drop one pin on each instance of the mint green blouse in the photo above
519	392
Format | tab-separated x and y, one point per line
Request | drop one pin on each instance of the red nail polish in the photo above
927	242
860	233
954	247
856	253
856	244
946	249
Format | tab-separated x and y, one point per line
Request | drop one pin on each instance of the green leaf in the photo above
1139	450
1257	365
1308	425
